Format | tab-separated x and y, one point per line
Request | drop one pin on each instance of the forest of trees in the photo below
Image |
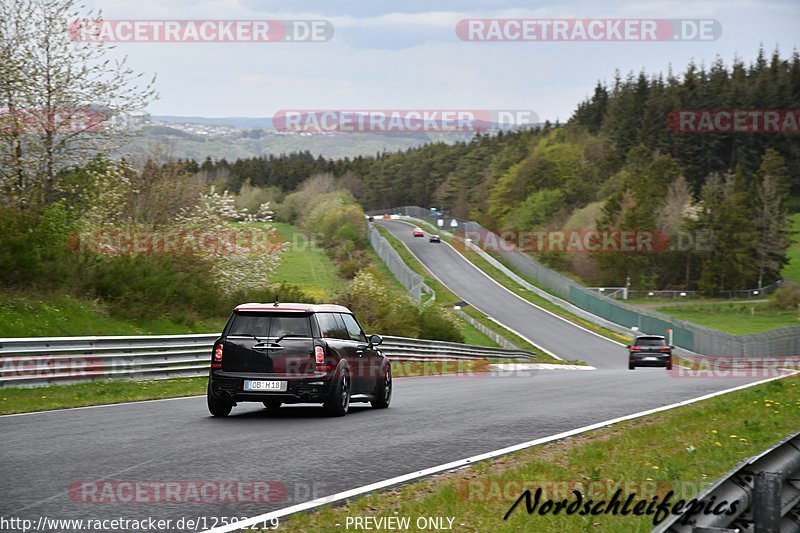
615	165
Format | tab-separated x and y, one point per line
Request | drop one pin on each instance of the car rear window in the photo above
650	341
270	325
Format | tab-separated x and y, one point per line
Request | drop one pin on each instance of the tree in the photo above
770	218
57	96
727	217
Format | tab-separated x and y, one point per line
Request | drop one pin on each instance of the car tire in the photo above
631	366
383	392
272	405
668	365
217	405
339	401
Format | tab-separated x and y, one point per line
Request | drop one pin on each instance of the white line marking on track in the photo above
465	462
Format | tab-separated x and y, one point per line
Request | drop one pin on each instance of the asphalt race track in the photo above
432	420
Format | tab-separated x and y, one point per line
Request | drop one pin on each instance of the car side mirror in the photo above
375	340
671	347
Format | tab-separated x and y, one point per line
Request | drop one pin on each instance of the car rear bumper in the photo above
650	359
306	388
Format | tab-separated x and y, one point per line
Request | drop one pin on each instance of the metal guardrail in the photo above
413	282
496	337
767	487
40	361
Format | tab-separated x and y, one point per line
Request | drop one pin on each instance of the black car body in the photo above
296	353
650	350
434	238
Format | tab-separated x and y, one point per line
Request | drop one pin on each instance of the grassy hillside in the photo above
28	315
737	318
33	315
306	265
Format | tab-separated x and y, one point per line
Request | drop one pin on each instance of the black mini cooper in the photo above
285	353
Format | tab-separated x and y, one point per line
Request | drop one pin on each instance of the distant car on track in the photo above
285	353
418	232
434	238
649	350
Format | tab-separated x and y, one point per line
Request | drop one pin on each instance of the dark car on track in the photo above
434	238
649	350
285	353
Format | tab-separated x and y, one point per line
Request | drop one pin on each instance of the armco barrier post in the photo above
767	503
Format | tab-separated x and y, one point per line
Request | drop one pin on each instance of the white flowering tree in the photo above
57	96
245	256
107	196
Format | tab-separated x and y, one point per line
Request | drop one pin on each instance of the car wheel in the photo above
272	405
668	365
383	394
631	366
339	401
217	405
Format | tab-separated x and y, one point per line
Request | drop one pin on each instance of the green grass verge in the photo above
684	449
30	399
445	297
53	315
26	400
306	265
739	318
792	270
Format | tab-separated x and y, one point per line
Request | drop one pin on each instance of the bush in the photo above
787	297
388	311
285	292
34	248
379	309
151	286
439	324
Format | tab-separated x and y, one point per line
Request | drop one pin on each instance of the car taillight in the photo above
217	359
665	349
319	355
319	358
635	348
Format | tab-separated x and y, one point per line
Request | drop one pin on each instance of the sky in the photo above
406	54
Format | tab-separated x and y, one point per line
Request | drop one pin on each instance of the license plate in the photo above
277	386
651	358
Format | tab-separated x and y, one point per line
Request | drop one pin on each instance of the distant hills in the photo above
243	137
235	122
